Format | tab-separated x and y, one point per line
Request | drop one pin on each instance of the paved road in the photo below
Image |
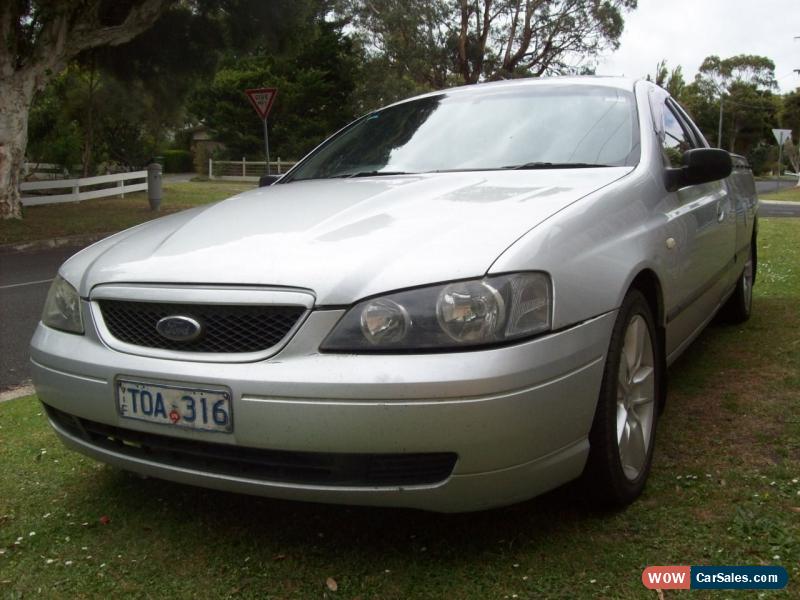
24	281
765	187
25	278
178	177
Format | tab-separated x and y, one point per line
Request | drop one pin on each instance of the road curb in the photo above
17	392
83	239
779	202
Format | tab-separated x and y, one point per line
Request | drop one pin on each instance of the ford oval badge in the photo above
179	328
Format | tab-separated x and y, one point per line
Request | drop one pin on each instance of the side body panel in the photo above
596	247
743	191
702	233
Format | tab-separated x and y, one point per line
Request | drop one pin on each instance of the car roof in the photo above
621	83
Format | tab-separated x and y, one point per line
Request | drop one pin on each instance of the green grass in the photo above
791	194
724	490
106	215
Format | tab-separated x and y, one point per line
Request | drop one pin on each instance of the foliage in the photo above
54	136
39	39
745	83
672	81
441	42
790	113
752	70
761	158
125	103
315	84
106	120
790	119
177	161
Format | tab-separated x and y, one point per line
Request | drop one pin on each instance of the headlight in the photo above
62	309
469	313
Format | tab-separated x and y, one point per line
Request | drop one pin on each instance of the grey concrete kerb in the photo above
17	392
779	202
83	239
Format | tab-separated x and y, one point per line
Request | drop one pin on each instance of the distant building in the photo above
203	146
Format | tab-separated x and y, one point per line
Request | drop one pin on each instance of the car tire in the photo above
623	432
738	307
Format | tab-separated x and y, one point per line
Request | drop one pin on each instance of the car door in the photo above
701	236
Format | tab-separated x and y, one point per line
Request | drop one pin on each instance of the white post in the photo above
244	166
211	168
279	165
266	142
76	191
121	186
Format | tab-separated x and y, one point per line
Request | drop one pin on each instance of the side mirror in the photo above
700	165
266	180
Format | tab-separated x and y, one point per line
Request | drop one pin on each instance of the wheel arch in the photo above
647	282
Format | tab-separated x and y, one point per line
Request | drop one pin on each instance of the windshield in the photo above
529	126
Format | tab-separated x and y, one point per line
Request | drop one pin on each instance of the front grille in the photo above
310	468
226	328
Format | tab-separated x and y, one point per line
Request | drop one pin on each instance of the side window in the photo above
676	140
698	137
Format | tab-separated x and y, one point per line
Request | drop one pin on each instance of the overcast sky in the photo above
686	31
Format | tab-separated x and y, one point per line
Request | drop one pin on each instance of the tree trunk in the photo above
16	94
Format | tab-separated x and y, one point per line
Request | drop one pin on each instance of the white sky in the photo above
686	31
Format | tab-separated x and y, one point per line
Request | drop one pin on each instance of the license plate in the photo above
176	406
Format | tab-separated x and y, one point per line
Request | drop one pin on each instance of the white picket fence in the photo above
245	170
120	188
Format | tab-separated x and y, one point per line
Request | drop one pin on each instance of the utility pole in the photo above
797	37
719	131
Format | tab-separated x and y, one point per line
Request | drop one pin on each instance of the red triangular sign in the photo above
262	99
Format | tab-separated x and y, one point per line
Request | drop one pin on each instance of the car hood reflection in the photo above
343	238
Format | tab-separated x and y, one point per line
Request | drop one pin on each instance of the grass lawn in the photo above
106	215
791	194
725	490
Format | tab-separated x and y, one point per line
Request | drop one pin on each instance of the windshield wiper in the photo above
368	174
554	165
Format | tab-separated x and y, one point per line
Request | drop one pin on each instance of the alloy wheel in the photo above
747	282
635	397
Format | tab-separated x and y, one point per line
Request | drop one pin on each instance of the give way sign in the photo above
262	99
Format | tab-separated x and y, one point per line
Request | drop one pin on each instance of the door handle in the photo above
720	211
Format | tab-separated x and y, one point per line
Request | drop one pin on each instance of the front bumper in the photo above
518	417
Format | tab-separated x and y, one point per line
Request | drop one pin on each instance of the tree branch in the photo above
462	63
9	20
513	33
68	33
484	34
87	35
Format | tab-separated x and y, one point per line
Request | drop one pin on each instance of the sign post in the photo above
782	136
262	99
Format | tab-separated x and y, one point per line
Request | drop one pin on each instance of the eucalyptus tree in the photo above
435	43
40	38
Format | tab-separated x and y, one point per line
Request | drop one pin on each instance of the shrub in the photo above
761	158
177	161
